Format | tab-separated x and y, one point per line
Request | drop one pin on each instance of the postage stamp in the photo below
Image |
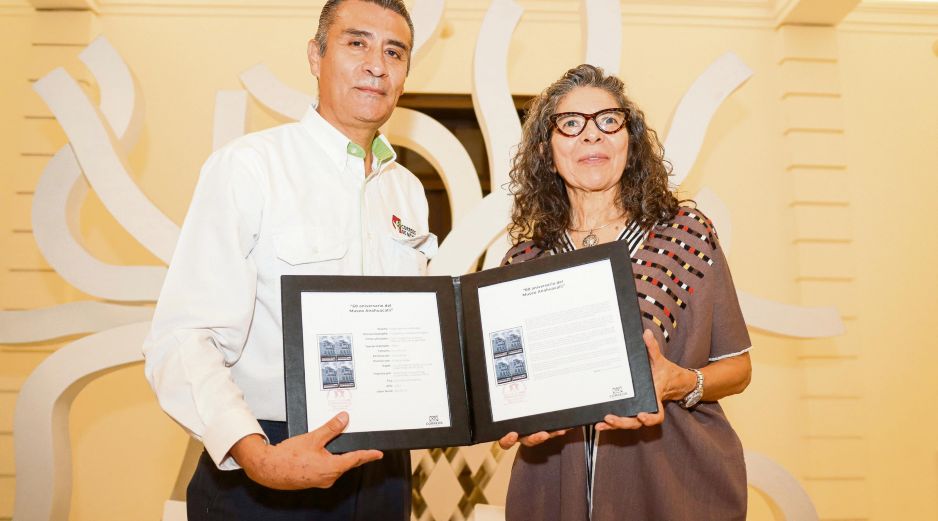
507	342
338	375
335	361
508	355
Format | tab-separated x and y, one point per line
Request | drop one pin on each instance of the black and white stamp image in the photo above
326	349
343	347
506	342
511	369
330	380
508	355
518	366
334	348
338	375
335	361
502	371
345	373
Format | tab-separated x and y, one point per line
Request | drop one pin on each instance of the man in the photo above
320	196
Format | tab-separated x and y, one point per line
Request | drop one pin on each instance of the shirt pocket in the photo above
402	257
298	245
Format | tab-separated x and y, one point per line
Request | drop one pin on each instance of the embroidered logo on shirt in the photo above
401	228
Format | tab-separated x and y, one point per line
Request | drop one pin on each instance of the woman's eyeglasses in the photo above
572	124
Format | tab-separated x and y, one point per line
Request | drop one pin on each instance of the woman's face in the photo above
593	161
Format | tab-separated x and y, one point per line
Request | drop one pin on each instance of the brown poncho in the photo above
689	468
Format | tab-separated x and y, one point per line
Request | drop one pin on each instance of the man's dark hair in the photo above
328	14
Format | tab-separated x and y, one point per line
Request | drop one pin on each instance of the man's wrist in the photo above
247	450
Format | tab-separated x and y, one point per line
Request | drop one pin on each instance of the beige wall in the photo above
847	416
891	111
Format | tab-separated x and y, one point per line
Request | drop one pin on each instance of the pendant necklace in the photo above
590	239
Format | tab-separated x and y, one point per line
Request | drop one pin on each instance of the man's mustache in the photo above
375	86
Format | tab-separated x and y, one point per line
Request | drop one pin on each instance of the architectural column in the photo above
50	35
835	467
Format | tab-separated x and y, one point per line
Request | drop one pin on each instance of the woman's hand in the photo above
530	440
672	382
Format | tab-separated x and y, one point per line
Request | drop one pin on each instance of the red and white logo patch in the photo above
401	228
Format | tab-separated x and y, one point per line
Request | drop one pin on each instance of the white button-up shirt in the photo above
295	200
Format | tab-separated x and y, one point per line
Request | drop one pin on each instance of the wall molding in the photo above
15	8
892	17
870	16
733	13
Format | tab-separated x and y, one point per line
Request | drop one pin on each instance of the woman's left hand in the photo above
672	382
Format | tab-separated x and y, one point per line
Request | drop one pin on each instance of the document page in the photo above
554	342
378	356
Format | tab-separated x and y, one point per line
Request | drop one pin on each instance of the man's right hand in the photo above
301	461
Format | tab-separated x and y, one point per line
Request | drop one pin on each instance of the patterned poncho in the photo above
689	468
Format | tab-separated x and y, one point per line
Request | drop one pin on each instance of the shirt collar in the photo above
381	151
339	147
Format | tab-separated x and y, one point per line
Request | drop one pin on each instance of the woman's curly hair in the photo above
541	210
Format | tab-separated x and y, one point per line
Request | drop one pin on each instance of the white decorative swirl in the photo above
774	317
691	119
73	318
41	434
696	109
56	204
495	110
785	319
491	95
121	102
471	235
230	116
61	191
435	143
101	159
277	96
426	15
602	33
780	486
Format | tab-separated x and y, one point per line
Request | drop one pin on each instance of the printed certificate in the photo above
554	341
376	351
447	361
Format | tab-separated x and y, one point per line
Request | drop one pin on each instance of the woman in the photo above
590	171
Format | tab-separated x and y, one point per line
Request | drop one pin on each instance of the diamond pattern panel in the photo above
449	483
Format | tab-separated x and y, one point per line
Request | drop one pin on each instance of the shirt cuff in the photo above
224	432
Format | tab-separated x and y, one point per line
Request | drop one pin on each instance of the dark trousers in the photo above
379	490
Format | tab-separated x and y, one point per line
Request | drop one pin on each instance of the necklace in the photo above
590	239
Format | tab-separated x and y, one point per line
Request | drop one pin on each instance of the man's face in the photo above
362	73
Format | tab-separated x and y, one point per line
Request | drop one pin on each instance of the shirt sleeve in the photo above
729	335
206	305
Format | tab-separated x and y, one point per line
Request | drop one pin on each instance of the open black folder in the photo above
551	343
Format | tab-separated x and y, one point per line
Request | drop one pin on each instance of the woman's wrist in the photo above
684	380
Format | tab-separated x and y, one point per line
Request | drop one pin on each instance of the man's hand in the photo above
299	462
